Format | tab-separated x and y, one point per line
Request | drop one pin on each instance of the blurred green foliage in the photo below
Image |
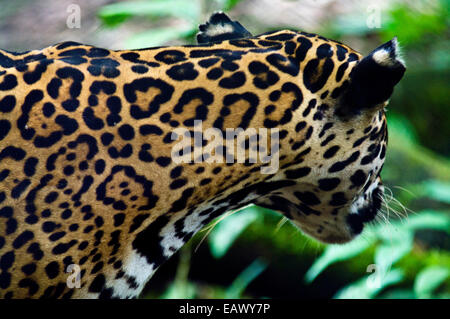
190	12
405	257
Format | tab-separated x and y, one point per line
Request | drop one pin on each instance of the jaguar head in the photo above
337	187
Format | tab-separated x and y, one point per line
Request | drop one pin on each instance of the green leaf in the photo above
227	5
189	10
348	24
335	253
115	20
429	279
436	190
397	242
393	249
180	290
429	219
226	231
241	282
399	294
156	37
365	288
402	129
230	4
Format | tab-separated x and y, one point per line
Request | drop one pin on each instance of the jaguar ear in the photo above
373	79
219	27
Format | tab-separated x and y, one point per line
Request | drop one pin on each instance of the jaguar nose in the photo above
365	214
355	223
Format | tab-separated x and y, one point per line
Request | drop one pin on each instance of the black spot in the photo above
328	184
234	81
358	179
144	155
170	56
7	260
90	141
5	126
126	132
285	64
205	181
201	109
206	63
178	183
324	51
341	51
314	77
214	74
163	161
35	251
105	67
20	188
99	166
9	82
341	70
7	104
142	85
176	172
5	280
229	101
29	283
243	43
69	125
51	197
298	173
148	129
97	284
308	198
325	128
52	269
183	72
13	152
181	203
87	182
115	106
300	126
72	52
338	166
118	219
311	105
22	239
140	69
328	139
331	151
137	222
106	87
32	98
63	247
229	66
309	133
31	77
264	77
97	53
93	122
29	269
4	174
338	199
107	138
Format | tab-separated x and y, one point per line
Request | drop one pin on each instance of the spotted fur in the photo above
86	174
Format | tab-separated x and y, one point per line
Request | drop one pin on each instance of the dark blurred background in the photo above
255	252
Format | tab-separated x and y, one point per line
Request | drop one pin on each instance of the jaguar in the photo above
90	189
